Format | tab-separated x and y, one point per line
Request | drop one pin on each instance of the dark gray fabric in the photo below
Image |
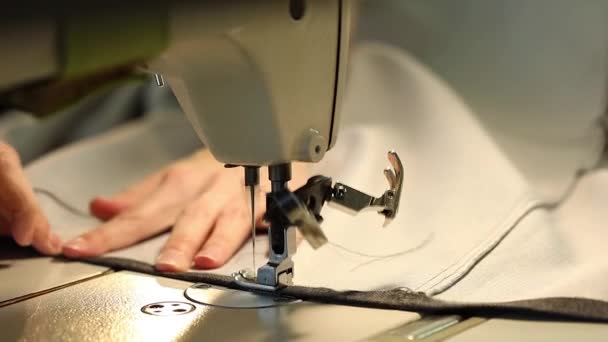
561	308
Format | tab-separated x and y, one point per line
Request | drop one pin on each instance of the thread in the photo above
381	257
71	208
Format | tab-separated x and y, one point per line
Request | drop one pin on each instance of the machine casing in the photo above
259	86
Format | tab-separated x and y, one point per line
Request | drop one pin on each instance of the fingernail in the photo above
24	240
111	201
172	260
75	247
209	257
55	243
104	208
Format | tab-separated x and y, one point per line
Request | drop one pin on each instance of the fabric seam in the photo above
503	226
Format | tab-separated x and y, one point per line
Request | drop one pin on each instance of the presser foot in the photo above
278	272
247	280
256	298
301	209
268	278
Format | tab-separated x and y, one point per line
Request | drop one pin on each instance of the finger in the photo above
230	231
185	177
4	227
122	231
155	214
189	232
196	222
105	208
178	185
299	237
300	173
18	205
45	241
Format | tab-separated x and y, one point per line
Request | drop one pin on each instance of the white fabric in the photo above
532	72
559	252
460	187
453	173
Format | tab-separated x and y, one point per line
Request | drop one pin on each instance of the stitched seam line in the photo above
496	238
464	259
531	205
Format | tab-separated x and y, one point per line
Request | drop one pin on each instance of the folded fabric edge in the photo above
549	308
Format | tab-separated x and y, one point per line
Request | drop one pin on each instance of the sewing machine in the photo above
261	83
247	80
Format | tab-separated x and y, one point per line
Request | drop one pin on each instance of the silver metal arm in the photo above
354	201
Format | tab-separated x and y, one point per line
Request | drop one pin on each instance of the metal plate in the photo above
108	308
168	308
232	299
24	273
502	330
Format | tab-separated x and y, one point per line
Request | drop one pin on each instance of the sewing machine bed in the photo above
75	301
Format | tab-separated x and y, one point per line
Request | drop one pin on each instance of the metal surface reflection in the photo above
109	308
234	299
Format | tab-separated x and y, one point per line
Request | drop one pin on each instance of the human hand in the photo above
20	214
205	203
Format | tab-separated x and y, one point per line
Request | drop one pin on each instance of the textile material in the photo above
536	85
462	195
460	187
492	115
557	251
400	299
94	114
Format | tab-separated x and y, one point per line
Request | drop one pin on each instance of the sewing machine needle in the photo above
252	201
252	179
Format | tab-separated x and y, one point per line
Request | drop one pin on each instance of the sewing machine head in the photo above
260	82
